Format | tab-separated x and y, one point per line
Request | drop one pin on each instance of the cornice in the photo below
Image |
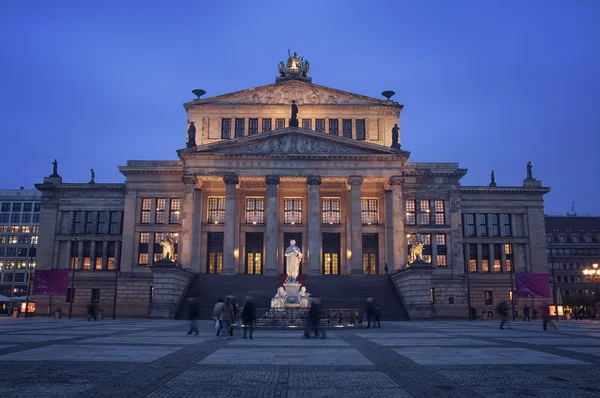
483	189
69	187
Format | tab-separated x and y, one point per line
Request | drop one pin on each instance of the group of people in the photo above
373	312
544	311
224	313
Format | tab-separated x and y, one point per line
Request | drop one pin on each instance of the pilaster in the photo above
230	180
356	233
314	225
129	219
271	263
399	246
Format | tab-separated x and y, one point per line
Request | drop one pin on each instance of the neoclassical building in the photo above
291	160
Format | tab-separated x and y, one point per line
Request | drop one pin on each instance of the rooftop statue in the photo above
296	66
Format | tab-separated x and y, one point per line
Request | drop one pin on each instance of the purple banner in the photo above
51	282
533	286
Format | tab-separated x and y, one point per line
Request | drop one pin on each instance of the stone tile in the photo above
32	338
584	350
358	393
4	346
111	353
182	339
555	341
447	341
286	356
399	335
290	342
481	356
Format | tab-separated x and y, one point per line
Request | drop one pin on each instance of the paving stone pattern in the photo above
43	357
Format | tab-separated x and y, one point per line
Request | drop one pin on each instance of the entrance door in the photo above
297	236
370	247
254	253
331	254
214	265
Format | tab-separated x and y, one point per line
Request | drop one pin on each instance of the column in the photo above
491	257
105	255
69	248
130	215
118	255
398	223
187	218
56	255
230	180
356	233
272	230
389	230
93	255
80	254
196	225
314	225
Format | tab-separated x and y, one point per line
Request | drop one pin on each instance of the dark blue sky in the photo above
491	86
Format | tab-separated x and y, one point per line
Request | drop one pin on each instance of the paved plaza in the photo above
43	357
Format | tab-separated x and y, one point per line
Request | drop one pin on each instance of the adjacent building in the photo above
19	228
292	160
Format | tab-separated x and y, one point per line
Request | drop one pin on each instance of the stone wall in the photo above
413	285
170	285
450	298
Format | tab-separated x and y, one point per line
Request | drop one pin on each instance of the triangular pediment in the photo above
284	92
293	141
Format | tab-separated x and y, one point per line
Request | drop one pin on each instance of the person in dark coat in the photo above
377	314
314	318
249	316
193	312
370	311
92	311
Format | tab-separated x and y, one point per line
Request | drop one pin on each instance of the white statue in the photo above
303	298
279	300
294	256
168	246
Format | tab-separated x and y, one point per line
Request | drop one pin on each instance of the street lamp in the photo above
28	279
593	274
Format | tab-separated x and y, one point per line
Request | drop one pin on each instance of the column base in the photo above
314	273
271	273
228	273
357	272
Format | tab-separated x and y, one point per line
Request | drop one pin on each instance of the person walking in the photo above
526	312
92	311
226	316
249	316
193	312
377	315
503	312
370	311
546	318
216	311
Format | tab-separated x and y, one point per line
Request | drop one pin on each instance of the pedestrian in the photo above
546	318
193	312
370	311
92	311
526	312
503	312
249	316
377	314
386	269
226	316
216	312
236	312
314	319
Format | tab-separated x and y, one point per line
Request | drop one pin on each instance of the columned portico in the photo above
314	224
230	180
356	225
272	230
188	223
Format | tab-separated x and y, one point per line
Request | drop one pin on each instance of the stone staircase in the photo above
340	291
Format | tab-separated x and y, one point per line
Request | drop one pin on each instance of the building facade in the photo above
573	245
293	160
19	228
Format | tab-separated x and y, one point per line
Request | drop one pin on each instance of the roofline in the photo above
505	189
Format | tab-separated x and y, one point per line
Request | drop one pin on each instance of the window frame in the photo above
292	215
329	214
215	215
361	132
226	128
255	215
368	216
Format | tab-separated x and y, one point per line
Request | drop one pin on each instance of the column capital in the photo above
314	180
355	180
189	179
272	180
231	178
396	180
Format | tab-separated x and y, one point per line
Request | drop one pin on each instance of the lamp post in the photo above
593	274
73	266
554	298
28	279
512	282
114	309
468	272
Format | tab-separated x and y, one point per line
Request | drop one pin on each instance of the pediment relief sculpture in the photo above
294	144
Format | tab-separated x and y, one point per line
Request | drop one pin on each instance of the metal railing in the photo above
295	317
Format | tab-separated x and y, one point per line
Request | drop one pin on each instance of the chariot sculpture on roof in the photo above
296	66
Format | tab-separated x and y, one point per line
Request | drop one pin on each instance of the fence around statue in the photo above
298	317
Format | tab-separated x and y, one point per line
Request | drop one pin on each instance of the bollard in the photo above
58	314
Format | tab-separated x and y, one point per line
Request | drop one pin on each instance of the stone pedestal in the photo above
414	288
170	285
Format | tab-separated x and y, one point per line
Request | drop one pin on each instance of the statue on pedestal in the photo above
529	171
191	138
303	298
279	300
92	177
294	119
54	169
395	137
416	250
492	179
168	246
293	256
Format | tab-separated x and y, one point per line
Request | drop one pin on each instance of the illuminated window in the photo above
216	210
13	240
512	297
485	258
74	255
77	220
411	212
483	225
347	128
255	208
279	123
252	126
254	263
440	215
331	266
215	252
369	211
10	264
330	211
472	257
114	222
32	264
424	216
87	261
146	207
102	218
21	264
4	228
143	248
89	222
470	225
111	255
320	125
25	229
497	258
226	129
508	254
334	127
440	242
160	210
307	124
508	227
292	208
488	297
360	129
442	260
266	125
14	228
143	259
426	247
